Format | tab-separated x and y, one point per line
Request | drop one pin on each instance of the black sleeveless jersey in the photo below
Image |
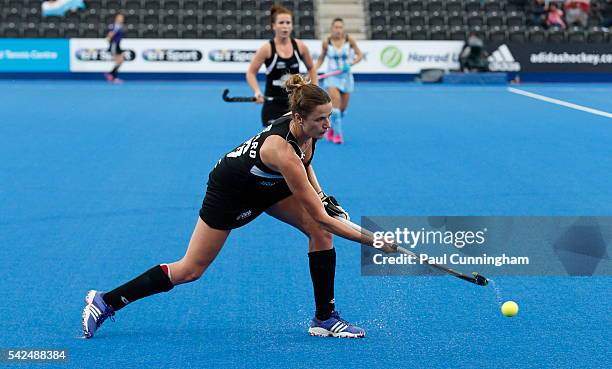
278	69
242	171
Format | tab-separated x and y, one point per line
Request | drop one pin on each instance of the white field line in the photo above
560	102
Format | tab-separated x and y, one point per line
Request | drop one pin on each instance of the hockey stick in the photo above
228	98
474	278
330	74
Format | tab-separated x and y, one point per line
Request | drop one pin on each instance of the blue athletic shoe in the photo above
334	327
95	313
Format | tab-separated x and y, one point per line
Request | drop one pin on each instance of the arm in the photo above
322	56
110	35
312	178
251	75
278	155
312	71
358	53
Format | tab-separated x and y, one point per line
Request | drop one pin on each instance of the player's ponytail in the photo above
304	96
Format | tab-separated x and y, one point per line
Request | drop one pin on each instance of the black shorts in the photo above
272	110
222	209
115	49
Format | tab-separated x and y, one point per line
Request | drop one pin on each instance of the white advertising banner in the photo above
233	56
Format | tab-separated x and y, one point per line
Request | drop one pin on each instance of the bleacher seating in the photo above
156	19
494	20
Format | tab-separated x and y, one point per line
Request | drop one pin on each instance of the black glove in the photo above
332	207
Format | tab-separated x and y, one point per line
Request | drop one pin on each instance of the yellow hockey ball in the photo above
509	308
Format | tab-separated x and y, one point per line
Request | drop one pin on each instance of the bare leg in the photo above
292	212
205	244
344	101
336	116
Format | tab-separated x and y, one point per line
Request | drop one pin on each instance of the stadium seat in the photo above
454	6
379	20
494	19
597	35
170	19
113	6
455	19
248	7
208	33
396	7
210	20
307	34
417	19
576	35
418	33
305	6
471	6
399	34
536	34
229	33
190	7
289	4
152	19
475	19
378	7
438	33
248	33
70	30
265	5
131	6
514	6
132	31
11	31
171	7
414	6
208	6
170	31
189	33
437	20
516	34
306	20
379	34
458	33
515	19
496	35
229	6
492	6
556	35
248	20
435	6
229	20
397	21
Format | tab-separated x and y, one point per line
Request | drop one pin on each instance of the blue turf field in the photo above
99	182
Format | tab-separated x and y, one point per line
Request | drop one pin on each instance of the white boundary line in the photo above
560	102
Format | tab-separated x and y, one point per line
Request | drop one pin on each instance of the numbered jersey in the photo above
242	171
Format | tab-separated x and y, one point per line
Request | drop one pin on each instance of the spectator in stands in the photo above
282	56
538	10
577	12
114	38
473	57
554	17
342	53
521	4
606	13
60	7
